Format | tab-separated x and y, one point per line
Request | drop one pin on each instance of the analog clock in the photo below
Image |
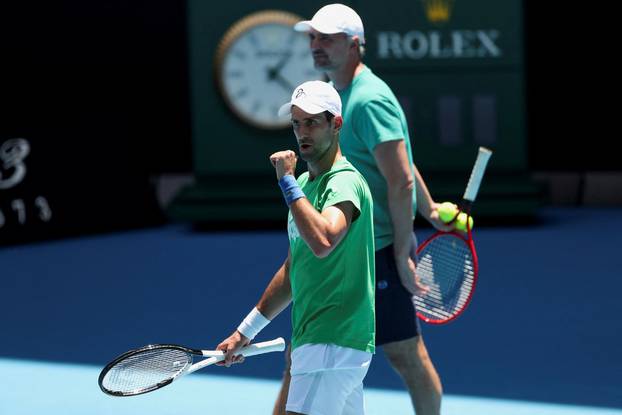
259	62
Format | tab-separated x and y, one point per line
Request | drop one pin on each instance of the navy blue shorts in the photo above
395	312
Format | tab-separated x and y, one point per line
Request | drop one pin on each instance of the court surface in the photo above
44	388
542	336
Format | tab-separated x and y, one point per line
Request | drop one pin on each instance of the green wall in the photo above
456	66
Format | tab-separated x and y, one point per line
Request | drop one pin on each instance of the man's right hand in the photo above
409	278
231	345
436	220
284	162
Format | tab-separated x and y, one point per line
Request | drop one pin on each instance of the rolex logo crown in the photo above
438	11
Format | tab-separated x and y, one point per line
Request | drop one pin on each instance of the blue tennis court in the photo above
542	336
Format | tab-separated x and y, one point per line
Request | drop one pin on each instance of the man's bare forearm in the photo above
400	208
424	198
278	294
392	160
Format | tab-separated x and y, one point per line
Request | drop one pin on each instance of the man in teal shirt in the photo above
329	272
375	139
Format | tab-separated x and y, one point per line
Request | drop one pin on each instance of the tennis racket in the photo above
447	261
157	365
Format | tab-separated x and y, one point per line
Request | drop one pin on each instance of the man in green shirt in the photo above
329	271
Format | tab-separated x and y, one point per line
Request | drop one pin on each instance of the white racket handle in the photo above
477	174
276	345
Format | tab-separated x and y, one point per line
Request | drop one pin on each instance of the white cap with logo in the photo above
314	97
334	18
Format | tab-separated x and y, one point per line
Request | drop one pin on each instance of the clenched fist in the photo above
284	163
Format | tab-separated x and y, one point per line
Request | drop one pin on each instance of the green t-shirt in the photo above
333	297
372	115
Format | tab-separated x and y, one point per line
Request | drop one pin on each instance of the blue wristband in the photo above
290	188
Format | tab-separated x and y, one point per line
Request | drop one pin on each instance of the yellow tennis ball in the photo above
447	211
461	222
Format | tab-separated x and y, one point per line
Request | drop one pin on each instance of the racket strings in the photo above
145	370
446	267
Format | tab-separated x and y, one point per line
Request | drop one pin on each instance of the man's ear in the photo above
338	122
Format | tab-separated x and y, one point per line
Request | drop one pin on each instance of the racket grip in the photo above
276	345
477	174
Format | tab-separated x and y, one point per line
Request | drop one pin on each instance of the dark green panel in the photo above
456	66
450	115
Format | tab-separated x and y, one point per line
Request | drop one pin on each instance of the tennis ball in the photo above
461	223
447	211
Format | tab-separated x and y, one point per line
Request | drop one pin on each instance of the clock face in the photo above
258	65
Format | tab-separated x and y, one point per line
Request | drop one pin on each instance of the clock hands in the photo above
286	56
274	73
279	79
277	68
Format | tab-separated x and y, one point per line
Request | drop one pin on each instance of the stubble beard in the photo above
316	155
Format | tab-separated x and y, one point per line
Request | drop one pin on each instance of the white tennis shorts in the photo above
327	380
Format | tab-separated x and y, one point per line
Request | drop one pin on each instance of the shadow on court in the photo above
544	324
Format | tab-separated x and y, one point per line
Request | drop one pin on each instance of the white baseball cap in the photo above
334	18
314	97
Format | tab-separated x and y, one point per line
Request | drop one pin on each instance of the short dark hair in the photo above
329	115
